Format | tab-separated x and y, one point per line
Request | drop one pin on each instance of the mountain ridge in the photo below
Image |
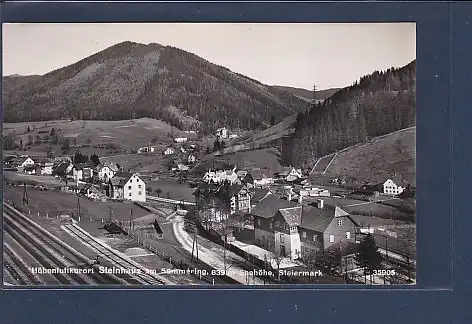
136	80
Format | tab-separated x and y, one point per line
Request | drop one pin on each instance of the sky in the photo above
297	55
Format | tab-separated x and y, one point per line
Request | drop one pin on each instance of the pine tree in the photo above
368	255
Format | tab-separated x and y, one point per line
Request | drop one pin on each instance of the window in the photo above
340	222
139	186
304	234
258	222
131	180
281	238
129	187
314	237
140	193
348	235
277	224
331	239
129	194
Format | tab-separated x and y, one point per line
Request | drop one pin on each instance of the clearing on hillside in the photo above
376	160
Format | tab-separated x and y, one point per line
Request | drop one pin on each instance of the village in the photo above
281	221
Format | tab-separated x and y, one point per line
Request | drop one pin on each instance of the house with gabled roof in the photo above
126	186
257	195
394	185
290	174
63	169
106	170
258	178
77	171
91	191
23	163
275	226
325	225
293	230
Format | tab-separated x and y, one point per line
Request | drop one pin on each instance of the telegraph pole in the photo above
25	195
78	208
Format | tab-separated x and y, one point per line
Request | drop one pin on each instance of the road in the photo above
213	255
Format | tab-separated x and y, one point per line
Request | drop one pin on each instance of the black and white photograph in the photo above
209	154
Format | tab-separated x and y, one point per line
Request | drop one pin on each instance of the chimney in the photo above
320	203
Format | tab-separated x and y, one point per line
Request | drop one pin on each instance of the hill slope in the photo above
135	80
381	103
375	161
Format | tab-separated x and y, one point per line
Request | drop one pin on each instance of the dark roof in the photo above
398	179
202	186
61	168
121	178
292	216
317	219
20	160
236	188
259	194
270	205
257	174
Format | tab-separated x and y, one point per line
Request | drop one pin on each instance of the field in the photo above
377	160
59	203
176	190
268	159
124	134
49	181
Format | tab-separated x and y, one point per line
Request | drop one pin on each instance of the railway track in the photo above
61	262
17	268
119	261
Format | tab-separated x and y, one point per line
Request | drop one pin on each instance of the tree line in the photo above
378	104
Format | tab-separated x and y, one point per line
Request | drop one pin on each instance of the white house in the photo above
222	132
106	171
127	186
146	149
169	151
23	163
191	159
291	174
78	171
180	139
394	186
220	176
44	168
182	150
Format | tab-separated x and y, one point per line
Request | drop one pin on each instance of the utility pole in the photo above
25	195
110	217
78	208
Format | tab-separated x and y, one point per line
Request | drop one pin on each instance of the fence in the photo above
177	259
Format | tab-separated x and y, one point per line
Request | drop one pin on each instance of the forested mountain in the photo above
308	94
378	104
135	80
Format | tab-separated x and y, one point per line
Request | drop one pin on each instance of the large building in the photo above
291	230
127	186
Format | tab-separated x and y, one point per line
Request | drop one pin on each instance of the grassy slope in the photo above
378	159
129	134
